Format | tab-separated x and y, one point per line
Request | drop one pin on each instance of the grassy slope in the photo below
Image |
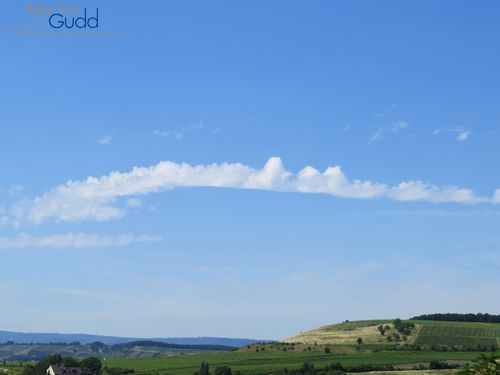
344	333
426	333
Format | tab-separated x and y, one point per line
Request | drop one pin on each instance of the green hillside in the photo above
453	334
434	335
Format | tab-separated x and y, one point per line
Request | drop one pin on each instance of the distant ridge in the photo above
45	338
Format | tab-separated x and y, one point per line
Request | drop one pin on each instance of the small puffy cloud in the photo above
73	240
460	133
333	182
382	133
108	197
463	135
104	140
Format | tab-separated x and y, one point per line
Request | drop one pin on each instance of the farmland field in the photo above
459	335
11	368
248	363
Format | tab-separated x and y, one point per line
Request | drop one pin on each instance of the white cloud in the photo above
101	199
386	111
496	196
181	132
161	133
382	133
419	191
75	240
460	133
463	135
105	140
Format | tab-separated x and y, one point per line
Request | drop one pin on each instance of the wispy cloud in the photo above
383	133
183	131
106	197
73	240
386	111
15	189
134	202
461	134
104	140
496	196
346	128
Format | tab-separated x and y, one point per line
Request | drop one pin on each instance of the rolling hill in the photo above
16	346
423	333
66	338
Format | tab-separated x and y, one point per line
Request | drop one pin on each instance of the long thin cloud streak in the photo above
99	199
73	240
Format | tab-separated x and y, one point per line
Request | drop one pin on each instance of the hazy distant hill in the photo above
43	338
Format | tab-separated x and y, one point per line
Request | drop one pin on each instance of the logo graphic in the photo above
57	20
65	15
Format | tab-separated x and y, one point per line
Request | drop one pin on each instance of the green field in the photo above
254	363
12	368
465	335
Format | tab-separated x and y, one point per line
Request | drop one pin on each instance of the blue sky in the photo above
242	240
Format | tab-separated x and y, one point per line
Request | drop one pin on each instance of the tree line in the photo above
455	317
